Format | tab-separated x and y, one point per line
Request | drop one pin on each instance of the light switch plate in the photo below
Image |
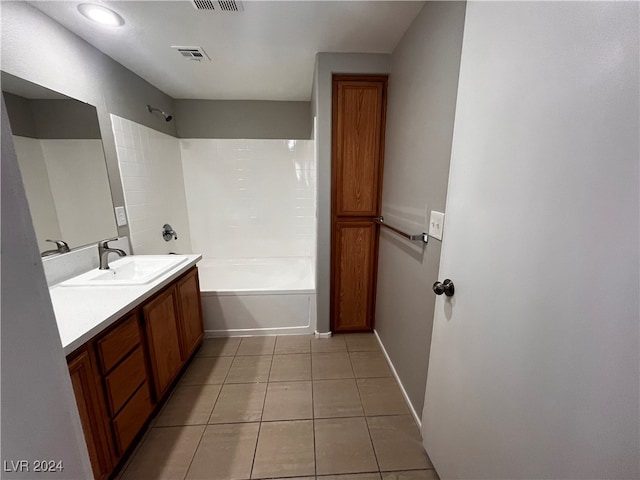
436	225
121	216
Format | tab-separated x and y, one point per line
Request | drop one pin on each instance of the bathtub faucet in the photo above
168	233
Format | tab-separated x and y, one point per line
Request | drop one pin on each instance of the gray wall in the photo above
242	119
326	65
36	390
40	50
20	115
39	416
420	113
59	119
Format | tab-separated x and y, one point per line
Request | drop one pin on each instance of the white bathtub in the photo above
258	296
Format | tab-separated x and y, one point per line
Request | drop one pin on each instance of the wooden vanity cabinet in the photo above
160	318
126	386
120	376
190	310
85	380
174	328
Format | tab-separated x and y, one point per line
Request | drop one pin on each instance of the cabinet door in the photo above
161	325
91	408
354	275
359	106
191	326
358	145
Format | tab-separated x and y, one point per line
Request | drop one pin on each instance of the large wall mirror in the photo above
61	159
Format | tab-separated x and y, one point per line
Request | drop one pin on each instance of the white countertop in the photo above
83	312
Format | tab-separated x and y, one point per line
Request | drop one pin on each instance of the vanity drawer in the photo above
125	379
132	417
114	346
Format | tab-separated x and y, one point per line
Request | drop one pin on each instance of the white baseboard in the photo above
258	332
323	335
395	374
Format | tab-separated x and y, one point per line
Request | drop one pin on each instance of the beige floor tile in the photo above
362	342
293	344
284	449
352	476
296	478
256	346
225	452
369	364
290	368
381	396
326	366
250	369
219	347
207	370
288	401
239	403
411	475
189	405
397	442
328	345
336	398
165	454
343	446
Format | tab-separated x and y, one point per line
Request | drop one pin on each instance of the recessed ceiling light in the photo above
100	14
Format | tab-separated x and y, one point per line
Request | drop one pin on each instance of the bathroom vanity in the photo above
126	346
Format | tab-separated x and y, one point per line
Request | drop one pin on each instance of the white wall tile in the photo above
250	198
151	173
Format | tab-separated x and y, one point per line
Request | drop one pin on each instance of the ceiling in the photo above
265	52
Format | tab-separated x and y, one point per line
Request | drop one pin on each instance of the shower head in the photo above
167	117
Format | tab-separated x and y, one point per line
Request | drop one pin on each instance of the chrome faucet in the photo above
61	247
104	251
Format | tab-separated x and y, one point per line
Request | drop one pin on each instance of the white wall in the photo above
420	111
80	189
67	188
152	180
535	367
250	198
38	190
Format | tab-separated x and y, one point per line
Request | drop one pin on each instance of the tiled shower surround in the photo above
250	198
151	174
226	199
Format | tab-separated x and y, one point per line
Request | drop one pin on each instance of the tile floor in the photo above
291	407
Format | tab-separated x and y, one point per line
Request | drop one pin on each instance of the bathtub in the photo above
274	296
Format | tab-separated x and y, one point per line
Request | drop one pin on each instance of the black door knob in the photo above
445	287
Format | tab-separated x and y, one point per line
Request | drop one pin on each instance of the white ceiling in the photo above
266	52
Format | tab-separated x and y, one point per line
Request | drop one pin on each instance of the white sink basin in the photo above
132	270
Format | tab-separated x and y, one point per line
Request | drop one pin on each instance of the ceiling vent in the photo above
218	5
192	53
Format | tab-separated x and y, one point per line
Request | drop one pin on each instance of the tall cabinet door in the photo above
359	107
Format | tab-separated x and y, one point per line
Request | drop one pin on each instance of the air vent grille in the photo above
218	5
192	53
204	4
230	6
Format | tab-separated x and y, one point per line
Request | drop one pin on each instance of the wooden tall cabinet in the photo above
359	110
